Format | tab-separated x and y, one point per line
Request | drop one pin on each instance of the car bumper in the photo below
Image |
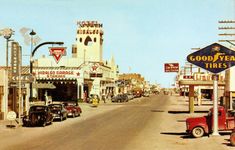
56	116
70	114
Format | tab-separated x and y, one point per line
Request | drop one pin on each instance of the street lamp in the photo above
31	62
7	33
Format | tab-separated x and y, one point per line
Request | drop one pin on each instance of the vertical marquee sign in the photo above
214	58
15	59
57	52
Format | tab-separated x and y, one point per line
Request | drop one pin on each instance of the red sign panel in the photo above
171	67
57	53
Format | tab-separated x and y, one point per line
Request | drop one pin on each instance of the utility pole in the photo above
228	28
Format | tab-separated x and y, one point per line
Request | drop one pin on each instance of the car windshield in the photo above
55	106
37	108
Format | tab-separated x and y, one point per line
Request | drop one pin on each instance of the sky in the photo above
142	35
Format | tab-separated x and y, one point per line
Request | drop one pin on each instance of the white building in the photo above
84	73
3	93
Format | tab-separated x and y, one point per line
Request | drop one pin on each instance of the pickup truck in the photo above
200	126
232	138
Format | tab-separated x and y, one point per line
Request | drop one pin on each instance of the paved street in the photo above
142	124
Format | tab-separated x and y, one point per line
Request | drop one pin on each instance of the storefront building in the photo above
78	76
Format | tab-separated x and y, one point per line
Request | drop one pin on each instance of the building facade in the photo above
80	75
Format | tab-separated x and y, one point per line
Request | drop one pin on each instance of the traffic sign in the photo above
57	52
214	58
11	115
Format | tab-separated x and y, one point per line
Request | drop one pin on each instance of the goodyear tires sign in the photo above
214	58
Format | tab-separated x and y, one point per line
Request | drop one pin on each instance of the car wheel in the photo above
44	124
198	132
232	139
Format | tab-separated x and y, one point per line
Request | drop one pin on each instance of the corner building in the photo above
77	76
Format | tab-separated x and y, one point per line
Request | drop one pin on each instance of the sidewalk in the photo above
181	105
175	133
87	111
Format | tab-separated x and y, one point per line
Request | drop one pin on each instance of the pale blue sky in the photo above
141	34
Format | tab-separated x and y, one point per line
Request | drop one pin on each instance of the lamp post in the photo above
31	62
7	33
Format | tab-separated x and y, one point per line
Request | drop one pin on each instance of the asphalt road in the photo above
142	124
124	128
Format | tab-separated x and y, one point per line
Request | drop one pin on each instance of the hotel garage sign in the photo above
214	58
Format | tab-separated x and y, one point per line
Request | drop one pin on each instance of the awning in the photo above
44	86
200	83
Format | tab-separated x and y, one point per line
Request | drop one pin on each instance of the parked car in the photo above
125	97
137	93
146	94
73	109
120	98
116	98
59	111
38	116
130	96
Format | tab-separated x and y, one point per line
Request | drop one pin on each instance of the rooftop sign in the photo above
171	67
57	52
214	58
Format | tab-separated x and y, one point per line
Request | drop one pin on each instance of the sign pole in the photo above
215	105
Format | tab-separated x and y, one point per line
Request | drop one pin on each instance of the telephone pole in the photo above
228	35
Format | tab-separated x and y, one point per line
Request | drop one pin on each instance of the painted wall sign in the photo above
57	74
214	58
57	52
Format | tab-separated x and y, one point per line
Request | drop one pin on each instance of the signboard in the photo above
57	73
15	58
57	53
214	58
171	67
188	77
11	115
99	75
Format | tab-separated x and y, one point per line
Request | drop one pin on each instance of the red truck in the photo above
200	126
232	138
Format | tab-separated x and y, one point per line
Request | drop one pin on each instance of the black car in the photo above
59	111
38	116
120	98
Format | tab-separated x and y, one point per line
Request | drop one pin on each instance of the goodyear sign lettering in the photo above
214	58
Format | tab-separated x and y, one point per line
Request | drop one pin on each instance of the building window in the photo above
74	50
94	39
88	41
80	40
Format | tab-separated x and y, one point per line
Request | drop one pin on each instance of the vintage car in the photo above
59	111
38	116
73	109
199	126
120	98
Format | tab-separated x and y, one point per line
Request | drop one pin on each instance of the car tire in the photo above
232	139
44	124
198	132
